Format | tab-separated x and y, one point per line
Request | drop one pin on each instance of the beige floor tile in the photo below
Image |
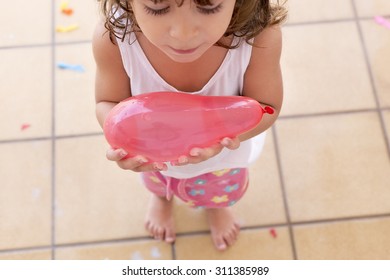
25	200
352	240
140	250
377	40
324	69
262	204
27	255
386	115
96	200
85	15
334	166
75	97
319	10
31	24
372	8
25	93
252	244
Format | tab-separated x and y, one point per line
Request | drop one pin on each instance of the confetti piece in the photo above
272	231
73	67
69	28
136	256
155	253
382	21
67	11
64	5
25	126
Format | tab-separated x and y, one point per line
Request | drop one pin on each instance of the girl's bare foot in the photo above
159	219
223	226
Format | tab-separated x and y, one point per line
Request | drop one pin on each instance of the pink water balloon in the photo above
162	126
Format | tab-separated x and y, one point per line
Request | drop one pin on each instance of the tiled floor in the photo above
322	183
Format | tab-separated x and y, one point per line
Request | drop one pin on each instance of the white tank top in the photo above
228	80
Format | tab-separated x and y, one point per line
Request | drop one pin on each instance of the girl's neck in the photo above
189	77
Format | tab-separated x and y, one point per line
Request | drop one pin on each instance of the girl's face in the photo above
183	33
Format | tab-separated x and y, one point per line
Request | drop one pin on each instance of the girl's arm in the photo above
263	78
112	85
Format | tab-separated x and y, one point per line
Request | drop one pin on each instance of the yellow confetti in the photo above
69	28
64	5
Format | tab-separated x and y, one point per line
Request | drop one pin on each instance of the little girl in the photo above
205	47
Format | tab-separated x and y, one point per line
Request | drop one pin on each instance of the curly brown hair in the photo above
249	17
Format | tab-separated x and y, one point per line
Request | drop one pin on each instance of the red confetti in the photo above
25	126
67	11
272	231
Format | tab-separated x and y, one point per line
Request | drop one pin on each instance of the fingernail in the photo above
142	160
194	153
158	166
225	142
123	153
169	239
183	160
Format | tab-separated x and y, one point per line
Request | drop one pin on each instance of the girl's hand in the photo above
136	164
198	155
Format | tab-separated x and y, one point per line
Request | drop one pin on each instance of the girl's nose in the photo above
183	28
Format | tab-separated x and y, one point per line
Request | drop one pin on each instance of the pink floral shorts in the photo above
217	189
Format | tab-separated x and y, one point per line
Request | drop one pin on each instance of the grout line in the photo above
60	137
282	117
199	233
173	251
53	129
334	113
284	192
371	77
44	45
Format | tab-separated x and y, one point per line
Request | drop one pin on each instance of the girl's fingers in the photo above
230	143
115	154
198	155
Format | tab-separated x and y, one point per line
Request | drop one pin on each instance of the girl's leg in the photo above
159	218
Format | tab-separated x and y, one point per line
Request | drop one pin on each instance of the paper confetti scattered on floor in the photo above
72	67
68	28
25	126
64	6
155	253
272	231
382	21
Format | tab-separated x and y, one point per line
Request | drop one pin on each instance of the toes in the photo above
159	234
220	243
169	236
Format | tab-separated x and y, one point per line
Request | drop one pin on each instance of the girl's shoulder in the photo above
267	44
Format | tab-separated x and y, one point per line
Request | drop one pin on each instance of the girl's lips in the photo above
187	51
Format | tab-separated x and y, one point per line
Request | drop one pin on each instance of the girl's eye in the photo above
156	12
208	11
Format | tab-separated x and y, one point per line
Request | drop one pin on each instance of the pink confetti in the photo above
25	126
272	231
382	21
